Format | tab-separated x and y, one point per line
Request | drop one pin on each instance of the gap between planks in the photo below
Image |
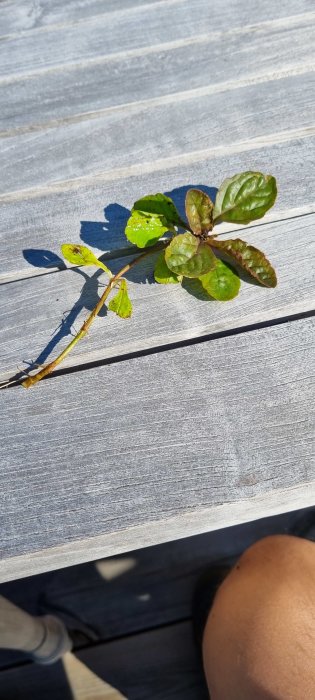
166	163
179	340
191	340
169	99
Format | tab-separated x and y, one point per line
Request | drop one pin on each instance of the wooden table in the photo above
191	416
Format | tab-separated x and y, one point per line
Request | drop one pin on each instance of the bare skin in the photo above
259	640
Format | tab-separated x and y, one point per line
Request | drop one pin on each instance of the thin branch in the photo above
47	369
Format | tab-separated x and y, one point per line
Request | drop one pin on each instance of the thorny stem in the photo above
31	381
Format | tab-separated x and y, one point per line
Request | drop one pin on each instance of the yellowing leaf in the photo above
187	255
163	274
199	211
80	255
121	304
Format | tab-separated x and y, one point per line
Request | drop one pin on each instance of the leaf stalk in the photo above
47	369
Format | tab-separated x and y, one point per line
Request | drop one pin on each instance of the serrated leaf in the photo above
187	255
161	205
252	260
163	274
80	255
144	229
121	303
245	197
199	211
222	282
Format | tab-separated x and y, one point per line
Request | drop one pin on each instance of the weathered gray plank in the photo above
85	88
158	664
135	29
174	528
21	15
26	15
141	134
157	448
31	230
39	314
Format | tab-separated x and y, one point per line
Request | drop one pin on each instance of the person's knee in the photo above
283	556
262	623
274	579
271	546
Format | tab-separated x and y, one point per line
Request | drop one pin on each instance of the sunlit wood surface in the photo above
102	102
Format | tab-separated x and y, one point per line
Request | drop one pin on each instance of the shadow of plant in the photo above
107	235
195	288
89	297
43	258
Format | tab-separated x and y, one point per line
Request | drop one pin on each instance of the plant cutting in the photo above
187	249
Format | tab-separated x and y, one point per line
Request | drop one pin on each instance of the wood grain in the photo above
156	445
24	15
136	29
164	655
174	528
185	440
140	135
39	314
82	91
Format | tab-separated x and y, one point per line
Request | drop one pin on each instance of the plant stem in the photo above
31	381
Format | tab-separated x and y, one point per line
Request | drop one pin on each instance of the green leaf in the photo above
80	255
163	274
121	303
151	217
161	205
252	260
199	212
245	197
222	282
144	229
187	255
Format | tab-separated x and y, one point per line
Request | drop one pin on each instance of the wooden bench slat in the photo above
139	135
156	448
19	15
23	16
87	89
135	29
